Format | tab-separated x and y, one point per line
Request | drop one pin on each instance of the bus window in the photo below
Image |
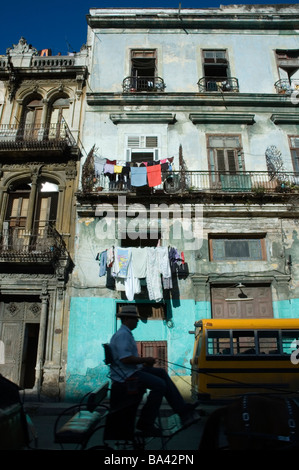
244	342
268	342
218	342
288	341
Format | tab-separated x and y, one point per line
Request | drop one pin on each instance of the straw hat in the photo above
128	311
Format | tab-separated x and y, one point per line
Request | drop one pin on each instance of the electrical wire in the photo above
237	382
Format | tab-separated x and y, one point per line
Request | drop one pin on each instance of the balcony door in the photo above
227	164
59	115
32	119
143	69
215	68
27	221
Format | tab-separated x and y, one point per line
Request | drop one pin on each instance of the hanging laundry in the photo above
110	257
153	275
110	280
111	162
117	169
103	263
132	283
154	175
164	166
174	259
138	176
163	258
99	166
164	265
139	256
122	259
108	168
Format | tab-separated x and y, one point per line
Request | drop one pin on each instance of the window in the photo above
225	153
268	342
138	238
289	341
237	248
215	67
32	118
245	342
142	148
149	311
226	163
156	349
143	69
294	141
59	113
23	217
288	63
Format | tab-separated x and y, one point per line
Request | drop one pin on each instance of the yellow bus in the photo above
234	357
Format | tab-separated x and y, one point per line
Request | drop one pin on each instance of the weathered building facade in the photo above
40	120
191	114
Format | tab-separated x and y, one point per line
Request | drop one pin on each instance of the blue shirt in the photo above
123	345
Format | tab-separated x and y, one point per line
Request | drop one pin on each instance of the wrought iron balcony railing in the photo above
220	84
257	182
17	136
149	84
42	244
286	86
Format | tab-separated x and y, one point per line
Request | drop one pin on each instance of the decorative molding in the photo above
221	118
190	99
158	118
285	118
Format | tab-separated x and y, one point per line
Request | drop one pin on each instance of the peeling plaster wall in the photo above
252	61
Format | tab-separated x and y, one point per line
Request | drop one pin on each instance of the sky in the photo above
61	25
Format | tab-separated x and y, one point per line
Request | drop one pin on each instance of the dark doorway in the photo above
29	355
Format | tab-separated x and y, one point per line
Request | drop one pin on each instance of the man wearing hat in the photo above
128	365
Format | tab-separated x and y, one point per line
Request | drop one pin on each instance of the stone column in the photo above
31	204
41	341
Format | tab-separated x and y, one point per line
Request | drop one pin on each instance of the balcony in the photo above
41	245
218	84
30	138
211	182
143	84
286	87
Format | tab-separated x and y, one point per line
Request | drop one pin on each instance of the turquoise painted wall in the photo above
93	322
286	308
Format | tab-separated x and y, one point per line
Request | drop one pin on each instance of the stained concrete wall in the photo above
252	61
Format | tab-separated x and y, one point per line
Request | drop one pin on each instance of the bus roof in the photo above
254	323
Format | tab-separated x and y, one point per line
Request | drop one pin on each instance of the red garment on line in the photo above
154	177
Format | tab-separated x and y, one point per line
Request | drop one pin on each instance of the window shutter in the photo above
151	142
142	142
134	142
220	160
231	161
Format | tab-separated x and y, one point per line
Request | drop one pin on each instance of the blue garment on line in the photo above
138	176
103	263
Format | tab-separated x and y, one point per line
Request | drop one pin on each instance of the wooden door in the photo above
14	318
229	302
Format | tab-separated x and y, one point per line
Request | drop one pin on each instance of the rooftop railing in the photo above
53	61
220	84
209	181
138	84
